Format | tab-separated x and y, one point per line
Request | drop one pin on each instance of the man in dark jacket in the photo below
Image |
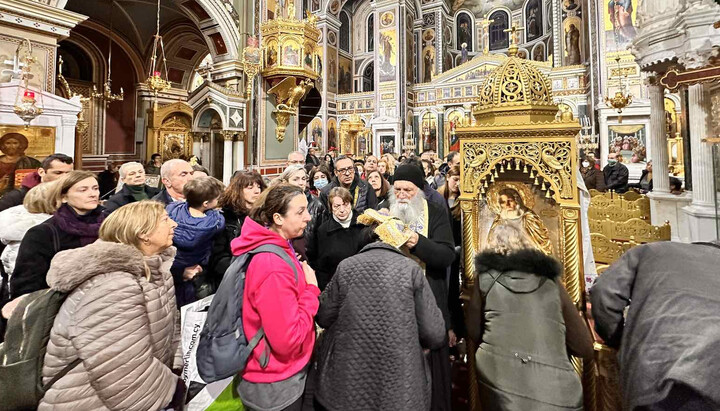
134	188
363	195
670	336
52	168
174	174
431	245
616	174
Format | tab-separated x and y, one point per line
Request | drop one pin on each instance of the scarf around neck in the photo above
85	226
138	192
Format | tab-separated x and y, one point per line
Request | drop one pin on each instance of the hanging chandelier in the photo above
155	80
26	105
107	95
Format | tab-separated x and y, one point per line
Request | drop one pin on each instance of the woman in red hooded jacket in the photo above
275	300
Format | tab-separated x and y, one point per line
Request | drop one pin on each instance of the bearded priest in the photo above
431	245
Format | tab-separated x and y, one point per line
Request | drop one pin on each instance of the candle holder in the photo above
26	105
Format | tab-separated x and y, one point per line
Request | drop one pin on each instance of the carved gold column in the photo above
468	239
571	254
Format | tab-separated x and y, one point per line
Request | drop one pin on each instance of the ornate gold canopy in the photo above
515	92
519	140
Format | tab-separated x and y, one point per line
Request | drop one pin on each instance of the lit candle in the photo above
29	94
156	73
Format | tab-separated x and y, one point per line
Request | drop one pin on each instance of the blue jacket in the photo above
193	236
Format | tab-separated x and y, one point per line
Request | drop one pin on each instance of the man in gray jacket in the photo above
670	339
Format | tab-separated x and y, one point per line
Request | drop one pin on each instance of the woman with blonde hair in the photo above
117	325
16	221
526	326
75	224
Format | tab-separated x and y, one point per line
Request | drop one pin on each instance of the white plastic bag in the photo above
218	396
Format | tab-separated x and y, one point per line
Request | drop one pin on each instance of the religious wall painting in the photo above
315	132
22	151
387	144
290	54
620	16
314	5
334	6
429	36
428	128
332	70
345	75
515	208
388	55
464	27
453	120
308	56
571	5
447	60
271	54
410	57
628	140
428	57
319	62
573	54
332	134
538	53
533	20
332	38
387	19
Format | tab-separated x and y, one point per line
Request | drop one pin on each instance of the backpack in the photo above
223	348
22	354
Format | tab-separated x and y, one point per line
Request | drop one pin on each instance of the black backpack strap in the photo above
61	374
272	249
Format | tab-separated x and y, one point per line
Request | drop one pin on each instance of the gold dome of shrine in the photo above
515	92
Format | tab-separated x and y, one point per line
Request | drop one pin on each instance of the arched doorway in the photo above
210	122
369	78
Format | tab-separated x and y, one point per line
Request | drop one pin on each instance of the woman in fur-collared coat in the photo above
526	326
119	319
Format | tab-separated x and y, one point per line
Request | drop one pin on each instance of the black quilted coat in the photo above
379	313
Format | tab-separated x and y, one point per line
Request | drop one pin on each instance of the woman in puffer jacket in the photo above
119	319
16	221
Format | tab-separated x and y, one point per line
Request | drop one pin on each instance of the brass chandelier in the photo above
155	81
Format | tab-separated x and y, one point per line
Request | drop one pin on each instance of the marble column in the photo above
701	212
703	192
239	153
659	146
227	156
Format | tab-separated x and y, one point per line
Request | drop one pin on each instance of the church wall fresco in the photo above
345	75
388	57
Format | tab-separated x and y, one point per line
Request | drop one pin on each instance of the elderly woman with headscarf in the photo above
526	326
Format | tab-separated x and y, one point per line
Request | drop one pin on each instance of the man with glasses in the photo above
363	195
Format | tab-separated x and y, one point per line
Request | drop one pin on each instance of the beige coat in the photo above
119	323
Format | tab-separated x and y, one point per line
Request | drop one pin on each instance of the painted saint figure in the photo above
620	12
572	45
13	146
513	212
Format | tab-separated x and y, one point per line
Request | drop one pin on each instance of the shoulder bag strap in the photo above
61	374
273	249
56	238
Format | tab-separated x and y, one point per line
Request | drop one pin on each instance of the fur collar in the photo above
527	261
70	268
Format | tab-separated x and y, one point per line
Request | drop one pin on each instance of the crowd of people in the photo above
365	317
615	176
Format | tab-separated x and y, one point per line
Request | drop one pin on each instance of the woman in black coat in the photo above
336	239
593	178
132	177
236	202
75	224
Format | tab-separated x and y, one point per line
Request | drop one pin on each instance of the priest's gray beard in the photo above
408	211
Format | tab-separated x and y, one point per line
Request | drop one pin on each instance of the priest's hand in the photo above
412	241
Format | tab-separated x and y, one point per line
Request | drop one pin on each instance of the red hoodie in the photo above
274	300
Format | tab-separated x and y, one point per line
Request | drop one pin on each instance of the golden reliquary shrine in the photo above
520	148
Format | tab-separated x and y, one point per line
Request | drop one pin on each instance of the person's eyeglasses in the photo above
337	207
346	171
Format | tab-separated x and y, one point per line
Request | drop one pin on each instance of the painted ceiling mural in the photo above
481	7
